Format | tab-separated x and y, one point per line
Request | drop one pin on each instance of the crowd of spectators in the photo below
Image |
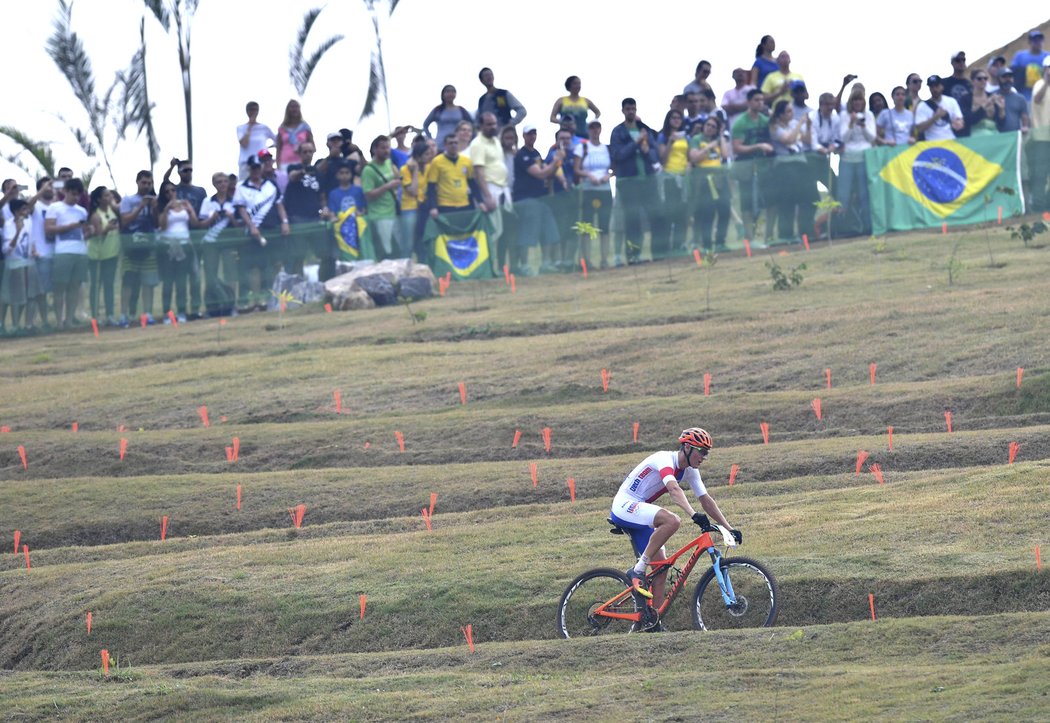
760	157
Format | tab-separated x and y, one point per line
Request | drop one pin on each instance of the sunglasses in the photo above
981	77
702	451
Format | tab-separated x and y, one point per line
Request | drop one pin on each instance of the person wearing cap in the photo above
252	137
1015	107
777	85
258	203
799	96
938	117
958	86
1038	150
400	153
1027	65
531	184
995	66
498	101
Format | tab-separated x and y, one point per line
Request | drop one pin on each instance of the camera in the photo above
58	185
348	142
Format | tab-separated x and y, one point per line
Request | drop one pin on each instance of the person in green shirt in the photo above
103	251
380	183
751	148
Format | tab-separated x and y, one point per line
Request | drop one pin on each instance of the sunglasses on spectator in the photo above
981	77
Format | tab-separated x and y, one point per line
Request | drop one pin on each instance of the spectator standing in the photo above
986	108
1015	107
700	79
217	215
734	100
799	96
138	225
995	66
895	126
858	134
563	204
399	153
877	103
195	195
498	101
508	139
490	173
764	61
380	183
68	222
1027	65
341	151
446	115
796	190
751	149
708	152
937	118
913	84
303	202
670	221
575	105
958	86
103	254
345	196
450	180
465	134
292	131
20	285
531	178
777	84
412	174
593	169
177	257
258	202
44	246
1039	142
253	137
634	153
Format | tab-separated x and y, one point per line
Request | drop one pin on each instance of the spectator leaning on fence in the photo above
794	190
708	152
217	215
593	169
895	125
531	184
751	148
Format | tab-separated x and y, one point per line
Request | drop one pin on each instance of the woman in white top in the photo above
896	124
858	133
178	260
593	169
20	284
68	223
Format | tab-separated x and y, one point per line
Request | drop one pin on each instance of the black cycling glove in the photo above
738	536
701	519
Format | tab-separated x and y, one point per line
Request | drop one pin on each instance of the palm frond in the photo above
67	51
40	151
136	110
393	6
160	12
297	52
315	58
375	85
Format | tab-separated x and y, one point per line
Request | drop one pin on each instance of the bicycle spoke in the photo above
754	605
585	609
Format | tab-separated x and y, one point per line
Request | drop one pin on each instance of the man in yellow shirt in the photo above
490	172
1039	141
450	180
777	85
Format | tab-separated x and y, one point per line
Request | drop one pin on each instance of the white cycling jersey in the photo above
648	481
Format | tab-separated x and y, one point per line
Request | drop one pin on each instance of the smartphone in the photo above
20	187
58	185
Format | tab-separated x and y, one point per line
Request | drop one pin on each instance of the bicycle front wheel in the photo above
592	601
755	597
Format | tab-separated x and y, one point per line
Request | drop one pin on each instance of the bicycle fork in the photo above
722	575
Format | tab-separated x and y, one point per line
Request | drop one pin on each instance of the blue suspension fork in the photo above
722	576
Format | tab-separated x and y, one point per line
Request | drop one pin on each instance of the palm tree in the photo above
67	51
376	71
300	68
39	151
182	12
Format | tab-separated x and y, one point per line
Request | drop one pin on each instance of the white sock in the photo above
642	563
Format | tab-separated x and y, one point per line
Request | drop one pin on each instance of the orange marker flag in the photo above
747	247
328	308
871	372
236	448
105	662
506	274
367	444
1014	449
4	429
1020	373
707	384
732	474
583	265
816	408
571	482
468	633
871	604
517	438
173	320
143	320
448	277
1038	559
532	473
605	380
203	412
76	427
697	257
944	228
123	448
876	470
297	514
433	501
547	439
22	456
805	241
948	420
765	432
94	327
1000	216
338	397
238	497
513	284
441	286
364	600
827	375
229	454
18	538
861	456
25	551
889	436
164	527
462	393
1046	215
400	440
426	519
89	623
634	432
121	428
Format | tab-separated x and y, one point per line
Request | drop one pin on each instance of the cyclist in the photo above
649	525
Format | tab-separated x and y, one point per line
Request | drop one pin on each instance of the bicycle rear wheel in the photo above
578	610
756	593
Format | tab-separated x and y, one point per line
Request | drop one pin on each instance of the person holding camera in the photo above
138	224
858	132
937	118
68	222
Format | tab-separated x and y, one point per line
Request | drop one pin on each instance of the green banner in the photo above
955	182
461	245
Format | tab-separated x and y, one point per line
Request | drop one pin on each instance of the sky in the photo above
618	48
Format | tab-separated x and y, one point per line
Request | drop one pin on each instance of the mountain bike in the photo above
602	601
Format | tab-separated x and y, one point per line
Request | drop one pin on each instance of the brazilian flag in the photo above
956	182
461	244
351	235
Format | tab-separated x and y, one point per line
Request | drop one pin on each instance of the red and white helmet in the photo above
696	437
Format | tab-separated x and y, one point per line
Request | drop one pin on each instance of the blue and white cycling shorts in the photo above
636	517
